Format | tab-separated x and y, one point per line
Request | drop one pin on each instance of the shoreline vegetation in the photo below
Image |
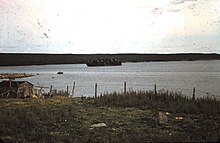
21	59
135	116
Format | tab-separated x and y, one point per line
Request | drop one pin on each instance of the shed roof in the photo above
6	83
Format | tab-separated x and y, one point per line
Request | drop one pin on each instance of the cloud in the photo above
192	6
178	5
173	10
216	22
176	2
158	10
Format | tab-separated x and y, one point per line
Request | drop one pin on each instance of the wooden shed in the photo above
15	89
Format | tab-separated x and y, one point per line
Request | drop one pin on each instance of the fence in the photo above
124	87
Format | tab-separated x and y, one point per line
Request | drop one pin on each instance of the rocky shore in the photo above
14	75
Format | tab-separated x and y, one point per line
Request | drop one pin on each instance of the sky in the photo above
109	26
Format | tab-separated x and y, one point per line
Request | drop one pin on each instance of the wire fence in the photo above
97	89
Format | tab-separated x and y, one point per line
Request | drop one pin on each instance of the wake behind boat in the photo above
104	62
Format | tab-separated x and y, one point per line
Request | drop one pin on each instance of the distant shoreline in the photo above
22	59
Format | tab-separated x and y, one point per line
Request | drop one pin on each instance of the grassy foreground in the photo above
128	118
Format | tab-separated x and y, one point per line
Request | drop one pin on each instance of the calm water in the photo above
177	76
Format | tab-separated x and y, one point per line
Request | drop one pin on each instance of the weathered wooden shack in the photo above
16	89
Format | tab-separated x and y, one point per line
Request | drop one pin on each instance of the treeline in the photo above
18	59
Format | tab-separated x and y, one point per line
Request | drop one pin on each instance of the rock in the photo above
99	125
162	117
34	96
14	75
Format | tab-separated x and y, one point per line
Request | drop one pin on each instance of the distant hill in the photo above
19	59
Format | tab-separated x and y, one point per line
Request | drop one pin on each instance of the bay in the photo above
179	76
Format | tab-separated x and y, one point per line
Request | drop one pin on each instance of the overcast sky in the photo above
109	26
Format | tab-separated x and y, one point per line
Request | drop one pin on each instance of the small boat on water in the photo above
104	62
60	72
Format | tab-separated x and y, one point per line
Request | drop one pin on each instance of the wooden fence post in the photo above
194	91
50	90
82	97
155	89
96	86
125	88
67	90
74	85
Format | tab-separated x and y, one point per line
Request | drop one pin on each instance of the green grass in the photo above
173	102
129	118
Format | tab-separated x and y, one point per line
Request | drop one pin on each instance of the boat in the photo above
60	72
104	62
